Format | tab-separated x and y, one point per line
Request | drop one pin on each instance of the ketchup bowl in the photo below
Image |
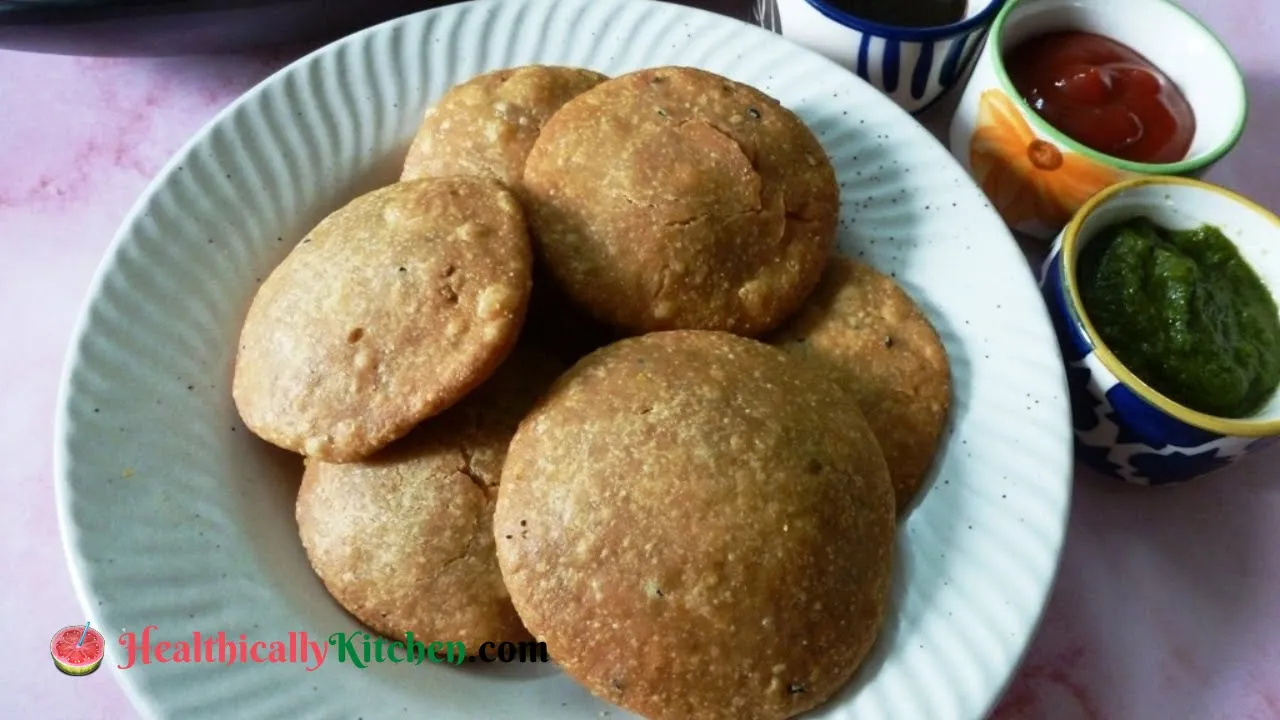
913	60
1071	96
1125	427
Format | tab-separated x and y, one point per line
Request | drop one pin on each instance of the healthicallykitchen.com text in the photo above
357	649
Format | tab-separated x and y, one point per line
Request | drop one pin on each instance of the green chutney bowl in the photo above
1124	427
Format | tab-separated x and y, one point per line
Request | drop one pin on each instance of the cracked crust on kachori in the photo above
698	526
391	310
487	125
674	198
404	539
863	326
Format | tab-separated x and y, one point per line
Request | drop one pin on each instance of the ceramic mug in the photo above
1037	177
913	66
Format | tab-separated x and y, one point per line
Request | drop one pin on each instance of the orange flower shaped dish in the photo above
1028	179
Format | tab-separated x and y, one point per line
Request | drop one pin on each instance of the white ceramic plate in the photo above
174	516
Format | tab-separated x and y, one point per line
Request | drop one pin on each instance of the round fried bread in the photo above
487	125
404	539
697	525
674	198
390	311
864	327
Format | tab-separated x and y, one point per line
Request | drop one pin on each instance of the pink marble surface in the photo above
1166	606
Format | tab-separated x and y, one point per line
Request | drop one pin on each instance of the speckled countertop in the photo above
1167	603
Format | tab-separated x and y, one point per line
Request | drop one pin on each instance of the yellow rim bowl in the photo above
1239	427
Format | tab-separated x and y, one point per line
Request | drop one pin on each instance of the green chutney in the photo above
1185	313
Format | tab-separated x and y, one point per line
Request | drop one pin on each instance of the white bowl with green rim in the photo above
1124	427
1036	176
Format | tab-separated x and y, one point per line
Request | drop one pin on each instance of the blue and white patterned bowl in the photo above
913	66
1123	427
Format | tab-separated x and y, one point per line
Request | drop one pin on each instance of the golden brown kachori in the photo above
404	539
390	311
698	526
865	327
486	125
674	198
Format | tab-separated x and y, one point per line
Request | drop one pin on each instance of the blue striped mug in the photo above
915	66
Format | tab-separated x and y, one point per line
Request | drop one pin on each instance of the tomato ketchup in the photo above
1104	95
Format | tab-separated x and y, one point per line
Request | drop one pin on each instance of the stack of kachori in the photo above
590	373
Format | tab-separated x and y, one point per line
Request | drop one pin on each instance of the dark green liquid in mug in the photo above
905	13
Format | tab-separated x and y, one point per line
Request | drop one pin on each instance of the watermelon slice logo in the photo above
77	649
